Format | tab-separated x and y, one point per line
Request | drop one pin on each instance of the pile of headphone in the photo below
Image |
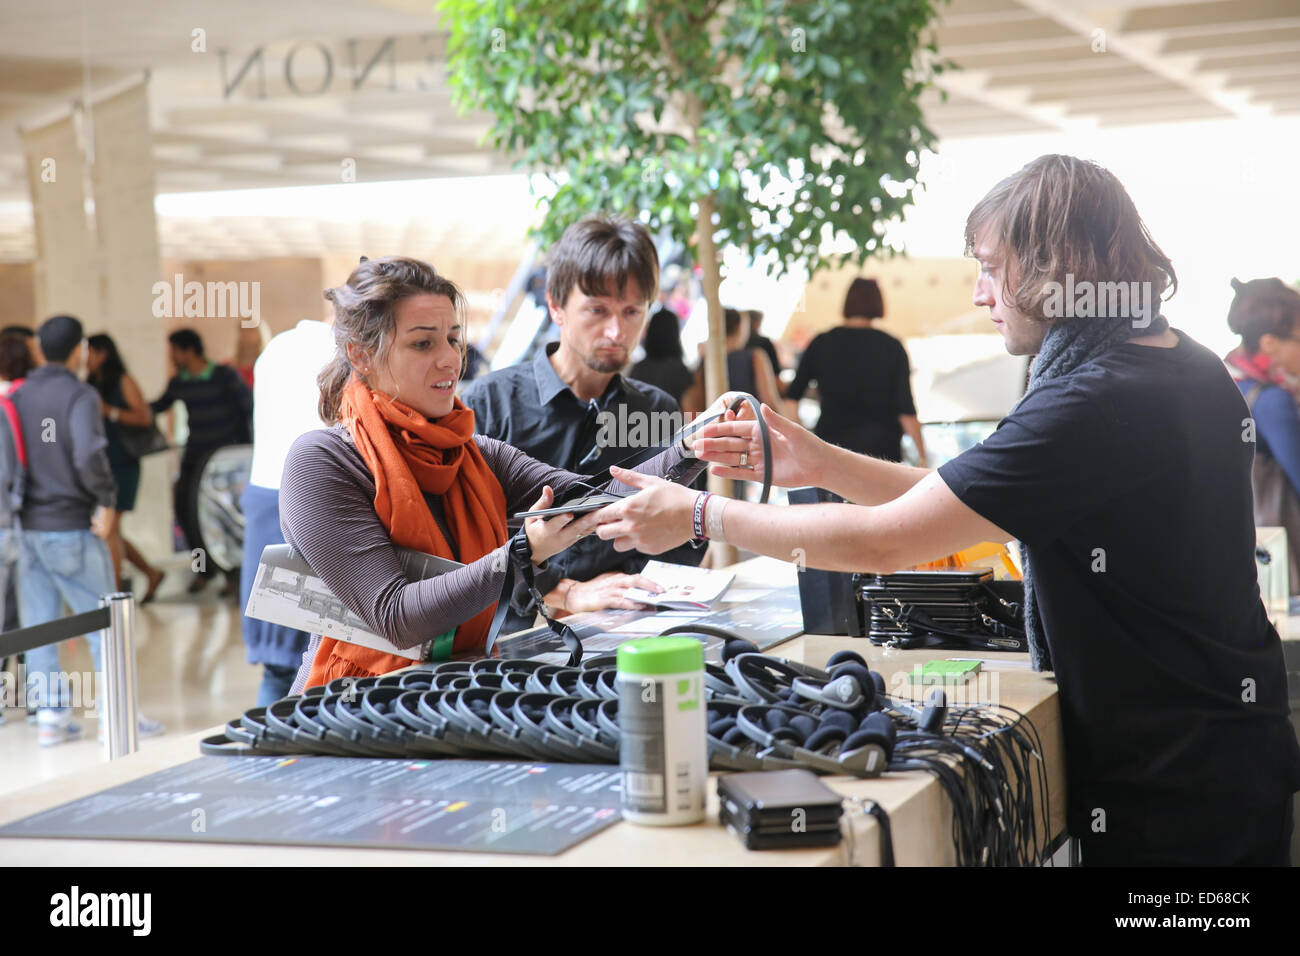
764	713
520	709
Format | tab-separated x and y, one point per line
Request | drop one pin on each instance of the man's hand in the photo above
654	520
608	590
104	522
797	454
548	536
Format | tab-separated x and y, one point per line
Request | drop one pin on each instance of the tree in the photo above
771	125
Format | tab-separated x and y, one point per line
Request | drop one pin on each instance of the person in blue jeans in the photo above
285	399
67	510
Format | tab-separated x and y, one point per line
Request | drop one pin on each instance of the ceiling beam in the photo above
1216	16
1146	53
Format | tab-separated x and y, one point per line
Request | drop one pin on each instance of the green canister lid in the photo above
661	655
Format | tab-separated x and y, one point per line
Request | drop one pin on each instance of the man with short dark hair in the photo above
219	408
570	407
69	485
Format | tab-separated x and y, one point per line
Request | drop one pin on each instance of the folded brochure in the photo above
684	588
288	592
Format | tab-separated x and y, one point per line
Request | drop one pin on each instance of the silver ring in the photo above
744	459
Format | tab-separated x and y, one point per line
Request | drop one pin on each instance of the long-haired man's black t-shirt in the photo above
1128	481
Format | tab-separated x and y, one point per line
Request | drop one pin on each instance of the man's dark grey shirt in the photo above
530	407
67	466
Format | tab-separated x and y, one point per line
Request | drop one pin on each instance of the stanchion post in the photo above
119	704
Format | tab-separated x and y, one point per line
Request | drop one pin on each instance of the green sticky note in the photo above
945	672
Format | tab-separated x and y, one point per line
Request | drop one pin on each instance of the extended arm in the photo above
801	458
926	523
327	516
164	401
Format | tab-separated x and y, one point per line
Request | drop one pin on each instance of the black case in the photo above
760	808
783	839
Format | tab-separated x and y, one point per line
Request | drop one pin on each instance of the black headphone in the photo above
731	749
836	743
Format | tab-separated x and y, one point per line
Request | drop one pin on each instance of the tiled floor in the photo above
192	675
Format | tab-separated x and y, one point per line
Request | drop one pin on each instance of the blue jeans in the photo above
56	567
276	682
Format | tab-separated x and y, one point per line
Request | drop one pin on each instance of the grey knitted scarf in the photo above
1067	345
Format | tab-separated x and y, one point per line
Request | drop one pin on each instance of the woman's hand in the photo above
655	519
797	454
548	536
608	590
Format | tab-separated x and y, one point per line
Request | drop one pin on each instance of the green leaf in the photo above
762	92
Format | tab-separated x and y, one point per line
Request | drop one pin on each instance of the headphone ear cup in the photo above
736	647
876	728
841	719
824	735
804	725
878	680
860	674
736	737
719	728
841	657
844	691
853	669
776	719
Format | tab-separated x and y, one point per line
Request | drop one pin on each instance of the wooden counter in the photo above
919	811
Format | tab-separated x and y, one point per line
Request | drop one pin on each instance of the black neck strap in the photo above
521	569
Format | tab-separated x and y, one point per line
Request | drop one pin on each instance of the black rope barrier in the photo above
51	632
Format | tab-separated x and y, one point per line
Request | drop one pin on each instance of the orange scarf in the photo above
409	455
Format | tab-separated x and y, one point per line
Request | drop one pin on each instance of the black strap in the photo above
51	632
521	569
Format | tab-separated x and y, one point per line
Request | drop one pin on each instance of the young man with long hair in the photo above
1124	472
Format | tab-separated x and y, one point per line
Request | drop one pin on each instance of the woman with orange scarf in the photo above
402	467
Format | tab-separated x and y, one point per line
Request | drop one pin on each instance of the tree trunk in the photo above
715	350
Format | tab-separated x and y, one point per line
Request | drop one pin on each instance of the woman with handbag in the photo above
122	405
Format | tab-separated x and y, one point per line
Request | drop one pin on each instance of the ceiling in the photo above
292	92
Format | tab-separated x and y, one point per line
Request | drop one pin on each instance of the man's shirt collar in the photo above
549	383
